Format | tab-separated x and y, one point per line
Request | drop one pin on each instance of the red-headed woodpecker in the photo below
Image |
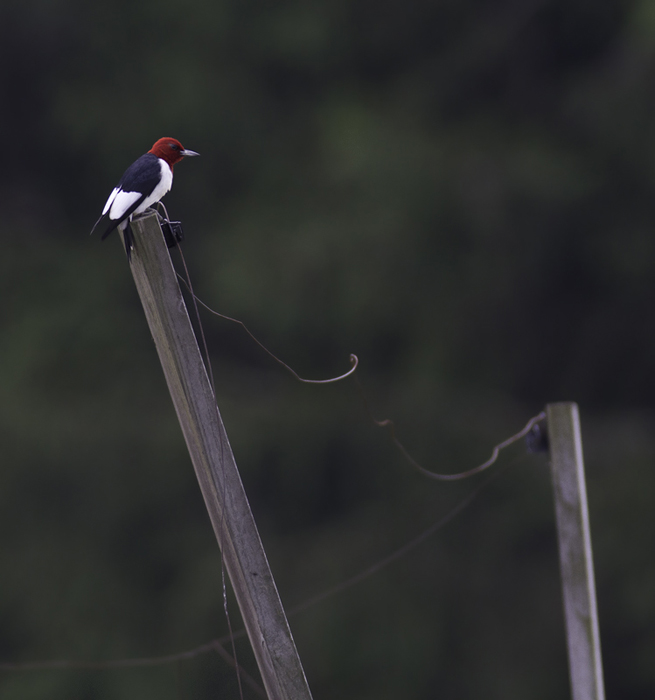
144	183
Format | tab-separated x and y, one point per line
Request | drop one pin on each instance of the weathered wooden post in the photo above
576	564
214	464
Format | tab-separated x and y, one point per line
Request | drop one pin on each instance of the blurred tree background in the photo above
460	192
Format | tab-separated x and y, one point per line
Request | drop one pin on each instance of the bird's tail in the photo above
128	239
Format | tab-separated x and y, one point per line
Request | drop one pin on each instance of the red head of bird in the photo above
170	150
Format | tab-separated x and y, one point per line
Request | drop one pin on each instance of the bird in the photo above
143	184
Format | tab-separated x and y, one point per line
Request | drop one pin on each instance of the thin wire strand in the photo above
354	361
216	645
386	423
471	472
247	678
404	549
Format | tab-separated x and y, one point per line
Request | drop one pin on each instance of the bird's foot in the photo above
173	233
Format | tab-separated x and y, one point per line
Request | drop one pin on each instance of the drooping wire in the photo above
213	645
404	549
387	422
354	360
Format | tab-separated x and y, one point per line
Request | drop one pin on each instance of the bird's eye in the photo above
175	147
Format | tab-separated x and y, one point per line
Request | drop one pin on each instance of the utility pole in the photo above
229	511
576	562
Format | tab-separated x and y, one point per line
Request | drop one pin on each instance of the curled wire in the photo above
470	472
354	360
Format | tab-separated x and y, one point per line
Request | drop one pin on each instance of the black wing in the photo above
142	176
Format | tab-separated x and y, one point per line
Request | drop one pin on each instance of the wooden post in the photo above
576	564
214	464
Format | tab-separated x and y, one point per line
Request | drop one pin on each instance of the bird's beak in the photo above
187	152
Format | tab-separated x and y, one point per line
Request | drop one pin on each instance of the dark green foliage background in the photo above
461	193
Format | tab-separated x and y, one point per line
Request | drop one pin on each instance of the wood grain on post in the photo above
214	464
576	563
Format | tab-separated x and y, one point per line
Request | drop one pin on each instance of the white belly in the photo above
162	188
